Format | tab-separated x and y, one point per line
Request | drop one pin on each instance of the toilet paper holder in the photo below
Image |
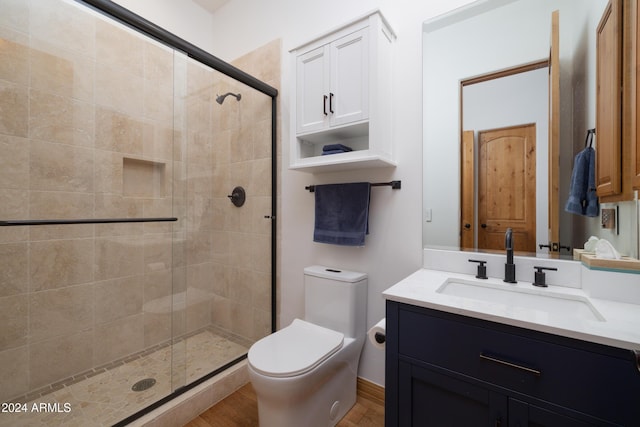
378	334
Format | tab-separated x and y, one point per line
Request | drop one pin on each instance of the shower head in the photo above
220	98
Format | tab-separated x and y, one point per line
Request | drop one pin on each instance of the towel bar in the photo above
395	185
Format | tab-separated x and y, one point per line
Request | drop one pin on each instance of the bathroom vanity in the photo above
462	351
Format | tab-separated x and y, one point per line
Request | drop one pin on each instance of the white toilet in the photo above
305	374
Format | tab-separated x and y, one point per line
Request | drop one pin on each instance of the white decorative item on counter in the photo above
605	250
590	245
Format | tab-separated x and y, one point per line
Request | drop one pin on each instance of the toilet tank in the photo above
336	299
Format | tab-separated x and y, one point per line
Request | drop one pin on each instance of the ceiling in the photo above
211	5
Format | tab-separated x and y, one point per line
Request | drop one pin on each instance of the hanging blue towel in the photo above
592	208
582	192
342	213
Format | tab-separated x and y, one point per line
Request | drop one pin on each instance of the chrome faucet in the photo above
509	267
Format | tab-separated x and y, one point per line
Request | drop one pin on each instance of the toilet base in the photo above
320	398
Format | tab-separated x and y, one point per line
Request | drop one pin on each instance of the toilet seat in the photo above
294	350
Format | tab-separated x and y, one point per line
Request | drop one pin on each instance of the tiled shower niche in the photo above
143	178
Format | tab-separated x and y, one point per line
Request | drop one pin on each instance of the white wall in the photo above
394	246
183	18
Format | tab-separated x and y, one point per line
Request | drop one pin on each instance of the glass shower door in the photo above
86	283
127	272
224	130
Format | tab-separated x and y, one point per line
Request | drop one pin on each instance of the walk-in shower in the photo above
126	276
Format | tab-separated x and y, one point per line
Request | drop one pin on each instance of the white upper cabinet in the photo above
333	84
343	95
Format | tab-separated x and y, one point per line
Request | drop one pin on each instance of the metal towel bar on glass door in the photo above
14	223
395	185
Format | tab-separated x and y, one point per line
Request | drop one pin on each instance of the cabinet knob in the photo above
331	103
324	104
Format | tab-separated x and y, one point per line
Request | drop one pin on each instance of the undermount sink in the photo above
552	303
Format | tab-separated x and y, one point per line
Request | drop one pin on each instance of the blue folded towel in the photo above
326	153
342	213
334	147
582	192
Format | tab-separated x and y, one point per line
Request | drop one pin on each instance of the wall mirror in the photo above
462	53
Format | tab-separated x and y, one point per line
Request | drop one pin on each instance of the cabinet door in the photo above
523	414
609	101
349	87
429	398
312	90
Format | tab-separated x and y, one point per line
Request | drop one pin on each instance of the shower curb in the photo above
187	406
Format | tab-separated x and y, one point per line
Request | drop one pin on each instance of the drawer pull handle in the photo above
513	365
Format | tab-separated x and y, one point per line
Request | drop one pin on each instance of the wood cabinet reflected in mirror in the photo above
609	101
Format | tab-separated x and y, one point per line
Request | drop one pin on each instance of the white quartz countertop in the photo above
620	326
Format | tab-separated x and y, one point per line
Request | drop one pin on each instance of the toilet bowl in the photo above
306	373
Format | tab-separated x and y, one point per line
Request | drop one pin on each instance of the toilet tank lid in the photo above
334	273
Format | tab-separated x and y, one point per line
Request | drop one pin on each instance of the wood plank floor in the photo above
241	410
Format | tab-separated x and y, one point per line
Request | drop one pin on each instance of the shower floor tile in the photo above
107	398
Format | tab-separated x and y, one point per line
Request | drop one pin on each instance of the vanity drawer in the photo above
597	380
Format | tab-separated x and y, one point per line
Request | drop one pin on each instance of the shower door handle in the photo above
324	104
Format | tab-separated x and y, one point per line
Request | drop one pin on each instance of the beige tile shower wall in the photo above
81	100
242	236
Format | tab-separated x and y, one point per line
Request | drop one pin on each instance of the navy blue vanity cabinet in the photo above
444	369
